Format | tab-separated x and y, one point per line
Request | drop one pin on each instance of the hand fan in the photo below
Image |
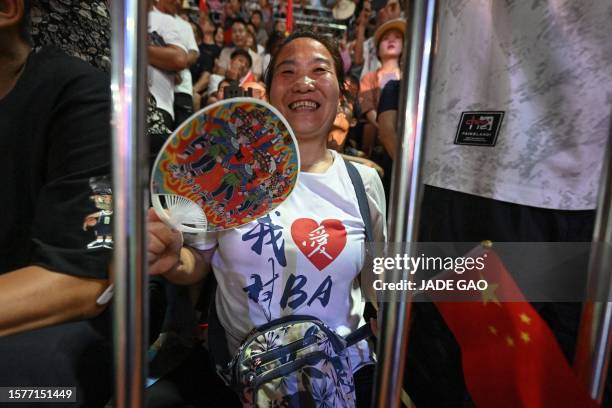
228	164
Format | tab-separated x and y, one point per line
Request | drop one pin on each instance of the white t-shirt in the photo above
161	83
190	44
213	83
548	67
303	258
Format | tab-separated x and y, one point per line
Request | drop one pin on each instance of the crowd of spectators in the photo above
235	41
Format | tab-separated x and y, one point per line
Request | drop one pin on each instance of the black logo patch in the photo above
479	128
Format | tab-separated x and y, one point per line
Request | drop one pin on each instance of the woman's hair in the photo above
256	12
328	43
274	42
198	33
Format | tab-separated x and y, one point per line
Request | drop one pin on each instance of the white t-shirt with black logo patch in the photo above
550	79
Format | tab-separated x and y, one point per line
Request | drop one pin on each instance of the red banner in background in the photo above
510	356
289	22
203	6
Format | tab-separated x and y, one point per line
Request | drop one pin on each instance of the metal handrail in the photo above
595	336
405	199
128	87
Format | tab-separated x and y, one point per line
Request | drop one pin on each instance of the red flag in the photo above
289	23
510	356
203	6
249	77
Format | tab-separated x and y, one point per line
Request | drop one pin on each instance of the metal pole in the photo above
594	338
405	199
128	89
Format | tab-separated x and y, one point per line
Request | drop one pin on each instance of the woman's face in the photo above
219	37
235	5
250	42
280	26
207	25
305	88
391	44
256	20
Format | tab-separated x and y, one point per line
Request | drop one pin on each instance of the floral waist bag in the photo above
295	361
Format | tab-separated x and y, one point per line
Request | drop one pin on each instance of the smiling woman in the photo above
305	257
304	83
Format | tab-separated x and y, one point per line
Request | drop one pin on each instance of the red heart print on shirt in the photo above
320	243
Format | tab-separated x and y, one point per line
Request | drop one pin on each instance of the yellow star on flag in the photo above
488	295
525	337
524	318
510	341
493	330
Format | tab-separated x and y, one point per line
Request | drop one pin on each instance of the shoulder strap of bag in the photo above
362	198
361	333
364	331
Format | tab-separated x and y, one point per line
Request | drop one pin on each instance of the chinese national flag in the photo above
249	77
289	23
510	356
203	6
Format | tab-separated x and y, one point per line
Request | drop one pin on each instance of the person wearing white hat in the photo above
365	49
389	39
343	9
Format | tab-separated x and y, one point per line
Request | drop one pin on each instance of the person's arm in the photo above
192	57
193	52
64	274
358	46
34	297
371	117
222	63
362	23
367	97
387	116
179	264
201	84
386	131
169	58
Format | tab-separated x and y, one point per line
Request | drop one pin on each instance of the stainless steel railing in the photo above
405	198
129	88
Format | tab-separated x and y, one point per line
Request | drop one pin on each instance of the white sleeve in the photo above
187	34
167	28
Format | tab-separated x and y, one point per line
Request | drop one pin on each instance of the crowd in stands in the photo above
233	43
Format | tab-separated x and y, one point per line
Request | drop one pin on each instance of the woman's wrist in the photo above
192	266
187	261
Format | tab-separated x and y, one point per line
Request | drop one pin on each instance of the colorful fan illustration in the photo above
227	165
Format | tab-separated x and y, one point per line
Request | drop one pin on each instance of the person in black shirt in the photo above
387	132
209	52
54	155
